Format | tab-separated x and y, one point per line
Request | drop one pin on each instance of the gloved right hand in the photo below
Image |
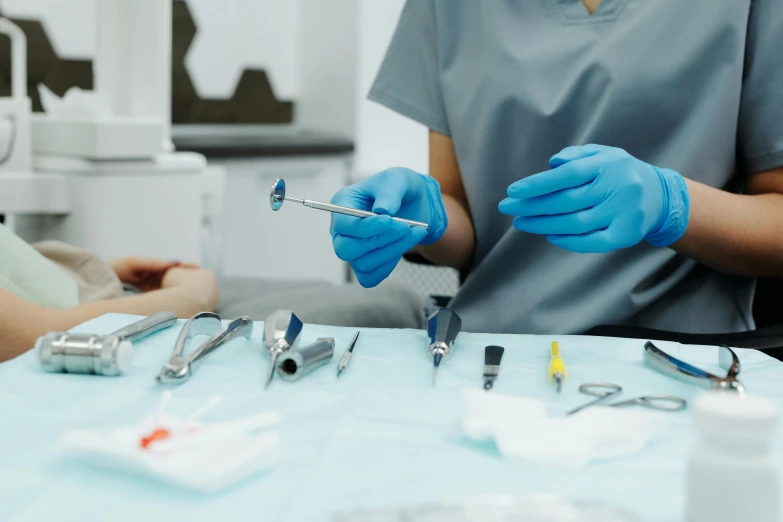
374	245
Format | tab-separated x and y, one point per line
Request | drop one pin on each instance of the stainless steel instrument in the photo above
345	360
109	355
281	329
492	358
443	326
179	367
682	371
295	364
607	390
277	197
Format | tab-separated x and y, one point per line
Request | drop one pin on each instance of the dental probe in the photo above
346	358
277	197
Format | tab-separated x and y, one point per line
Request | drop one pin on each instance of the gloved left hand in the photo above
598	199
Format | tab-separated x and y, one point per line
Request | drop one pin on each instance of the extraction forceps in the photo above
682	371
607	390
277	197
178	368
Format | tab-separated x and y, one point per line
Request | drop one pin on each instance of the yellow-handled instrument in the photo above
557	370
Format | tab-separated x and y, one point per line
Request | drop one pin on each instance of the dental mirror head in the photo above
277	194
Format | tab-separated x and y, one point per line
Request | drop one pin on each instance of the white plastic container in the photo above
732	476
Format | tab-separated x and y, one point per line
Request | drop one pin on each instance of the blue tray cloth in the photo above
380	437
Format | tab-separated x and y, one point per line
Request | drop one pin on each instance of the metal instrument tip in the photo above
339	372
436	363
270	371
488	384
559	382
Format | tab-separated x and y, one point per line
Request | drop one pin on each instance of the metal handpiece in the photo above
443	325
277	197
345	360
178	368
281	329
682	371
109	355
295	364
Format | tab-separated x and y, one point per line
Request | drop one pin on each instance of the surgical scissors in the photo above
606	390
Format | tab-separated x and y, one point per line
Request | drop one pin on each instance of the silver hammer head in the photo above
62	352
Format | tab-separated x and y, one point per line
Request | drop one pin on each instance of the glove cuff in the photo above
677	203
438	219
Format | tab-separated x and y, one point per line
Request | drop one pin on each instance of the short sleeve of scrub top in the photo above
415	56
694	86
761	110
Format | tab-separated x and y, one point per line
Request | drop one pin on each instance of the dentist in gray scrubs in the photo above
612	162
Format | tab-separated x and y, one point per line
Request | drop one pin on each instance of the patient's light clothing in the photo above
25	272
95	279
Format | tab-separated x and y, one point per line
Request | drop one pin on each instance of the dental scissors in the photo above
606	390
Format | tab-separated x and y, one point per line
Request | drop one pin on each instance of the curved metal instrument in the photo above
607	390
682	371
178	368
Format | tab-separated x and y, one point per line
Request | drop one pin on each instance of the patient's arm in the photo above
184	291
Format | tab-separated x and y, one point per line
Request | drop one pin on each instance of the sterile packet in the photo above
205	457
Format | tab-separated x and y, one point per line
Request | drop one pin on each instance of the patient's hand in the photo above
198	284
144	273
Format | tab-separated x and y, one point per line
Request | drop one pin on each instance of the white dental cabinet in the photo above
208	203
293	243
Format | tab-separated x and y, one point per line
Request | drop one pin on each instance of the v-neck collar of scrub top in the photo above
573	12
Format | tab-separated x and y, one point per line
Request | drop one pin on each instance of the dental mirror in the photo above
277	197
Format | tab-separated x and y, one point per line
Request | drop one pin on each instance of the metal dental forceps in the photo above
607	390
682	371
178	368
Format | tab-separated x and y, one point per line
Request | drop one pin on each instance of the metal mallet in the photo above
277	197
281	329
112	354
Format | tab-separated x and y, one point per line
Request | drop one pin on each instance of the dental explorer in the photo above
442	326
281	329
277	197
112	354
346	358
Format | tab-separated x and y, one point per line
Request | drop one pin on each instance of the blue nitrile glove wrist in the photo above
597	199
439	221
676	211
374	245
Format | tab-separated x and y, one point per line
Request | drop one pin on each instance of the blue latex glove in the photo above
374	245
599	199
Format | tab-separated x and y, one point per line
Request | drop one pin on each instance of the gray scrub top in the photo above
695	86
